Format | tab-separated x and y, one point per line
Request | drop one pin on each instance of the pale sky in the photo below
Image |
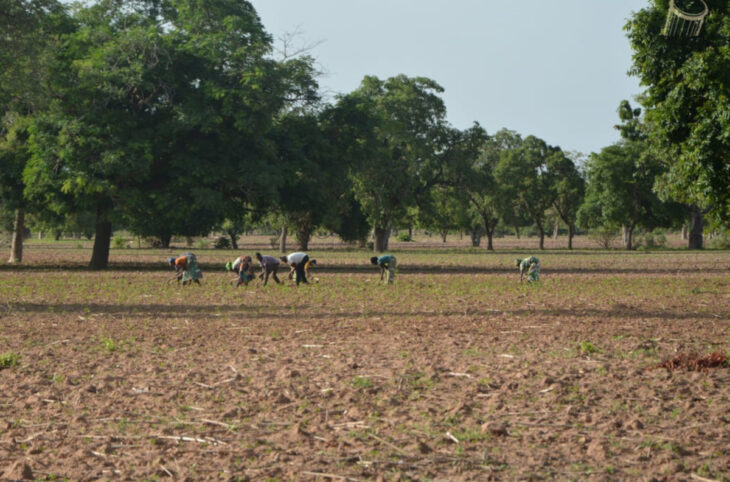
555	69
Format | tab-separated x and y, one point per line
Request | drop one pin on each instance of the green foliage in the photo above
587	348
720	242
222	242
9	360
404	237
119	242
687	112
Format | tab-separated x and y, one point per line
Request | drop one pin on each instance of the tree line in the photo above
175	117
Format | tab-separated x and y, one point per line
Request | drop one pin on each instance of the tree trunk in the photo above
188	241
476	237
165	239
410	232
234	239
381	239
102	241
684	231
443	236
571	233
16	247
695	229
303	237
57	235
282	238
556	230
628	236
517	231
541	232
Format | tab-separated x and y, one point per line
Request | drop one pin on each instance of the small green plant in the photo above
9	360
362	382
586	348
118	242
404	237
110	345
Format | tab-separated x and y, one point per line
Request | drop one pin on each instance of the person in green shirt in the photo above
529	266
385	262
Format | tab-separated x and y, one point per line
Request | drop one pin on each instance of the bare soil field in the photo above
457	372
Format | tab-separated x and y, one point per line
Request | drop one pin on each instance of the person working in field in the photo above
385	262
186	269
530	267
243	265
298	262
269	266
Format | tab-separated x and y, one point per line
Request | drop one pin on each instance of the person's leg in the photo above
301	276
391	271
273	272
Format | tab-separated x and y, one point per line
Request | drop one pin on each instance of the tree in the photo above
402	144
687	109
30	31
523	173
619	191
165	116
569	190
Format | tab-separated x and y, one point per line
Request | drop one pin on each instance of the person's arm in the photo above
292	270
382	271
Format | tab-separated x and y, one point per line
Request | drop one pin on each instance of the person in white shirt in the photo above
297	261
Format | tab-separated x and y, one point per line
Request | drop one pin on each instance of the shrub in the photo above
720	242
222	243
651	240
404	237
118	242
603	236
8	360
202	243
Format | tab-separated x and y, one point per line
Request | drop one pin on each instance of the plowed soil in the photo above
466	375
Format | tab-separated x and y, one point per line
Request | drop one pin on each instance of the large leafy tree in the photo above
568	189
164	116
619	192
30	30
404	147
687	101
475	177
525	179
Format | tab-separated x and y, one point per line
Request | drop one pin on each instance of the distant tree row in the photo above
174	117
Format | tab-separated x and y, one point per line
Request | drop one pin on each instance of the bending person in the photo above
529	266
186	269
297	261
385	262
243	265
269	266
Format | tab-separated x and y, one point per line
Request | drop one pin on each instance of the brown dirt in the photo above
458	377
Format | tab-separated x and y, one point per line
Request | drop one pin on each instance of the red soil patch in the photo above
694	362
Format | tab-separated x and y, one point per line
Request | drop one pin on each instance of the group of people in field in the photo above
187	270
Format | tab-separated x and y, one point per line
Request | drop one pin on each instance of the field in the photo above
457	372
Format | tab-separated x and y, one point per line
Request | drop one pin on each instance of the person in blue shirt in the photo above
385	262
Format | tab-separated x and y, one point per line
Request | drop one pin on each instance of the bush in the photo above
404	237
222	243
603	236
720	242
118	242
8	360
202	243
651	240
